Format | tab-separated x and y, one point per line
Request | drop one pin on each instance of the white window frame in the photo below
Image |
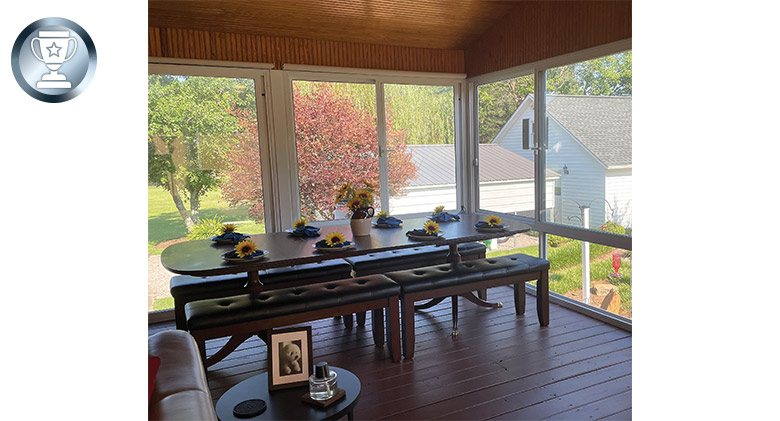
259	74
285	142
538	69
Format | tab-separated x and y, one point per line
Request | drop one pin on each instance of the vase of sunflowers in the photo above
360	206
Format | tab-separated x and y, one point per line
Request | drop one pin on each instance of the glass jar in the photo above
323	383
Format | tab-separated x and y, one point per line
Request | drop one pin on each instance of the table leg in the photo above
253	284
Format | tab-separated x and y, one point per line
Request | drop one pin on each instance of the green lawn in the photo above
165	223
566	270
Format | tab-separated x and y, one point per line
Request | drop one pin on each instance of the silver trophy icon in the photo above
53	46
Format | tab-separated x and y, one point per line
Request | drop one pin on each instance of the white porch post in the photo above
585	210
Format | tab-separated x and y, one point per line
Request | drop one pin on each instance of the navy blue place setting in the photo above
386	221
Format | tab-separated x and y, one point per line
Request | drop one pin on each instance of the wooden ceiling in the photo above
439	24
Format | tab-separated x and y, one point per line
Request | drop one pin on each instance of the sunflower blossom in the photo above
300	223
493	220
382	214
353	204
431	228
227	228
334	239
246	248
438	209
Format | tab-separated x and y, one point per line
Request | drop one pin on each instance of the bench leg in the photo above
348	320
482	294
543	299
454	315
519	298
378	326
361	318
394	329
178	311
407	327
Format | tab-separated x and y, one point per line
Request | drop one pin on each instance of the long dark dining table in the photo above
204	258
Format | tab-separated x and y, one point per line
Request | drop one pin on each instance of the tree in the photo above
190	129
336	143
610	75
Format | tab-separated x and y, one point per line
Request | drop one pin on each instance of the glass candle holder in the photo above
323	383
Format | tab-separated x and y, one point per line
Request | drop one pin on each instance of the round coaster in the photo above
249	408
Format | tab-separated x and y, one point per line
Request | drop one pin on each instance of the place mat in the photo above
229	238
307	231
340	394
347	246
231	256
488	228
418	235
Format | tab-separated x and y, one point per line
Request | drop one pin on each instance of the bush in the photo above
206	229
556	240
613	227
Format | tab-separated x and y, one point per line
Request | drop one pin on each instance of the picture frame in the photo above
290	361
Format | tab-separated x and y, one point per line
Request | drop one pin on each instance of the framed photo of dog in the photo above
290	361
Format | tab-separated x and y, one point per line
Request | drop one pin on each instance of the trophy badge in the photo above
53	46
63	47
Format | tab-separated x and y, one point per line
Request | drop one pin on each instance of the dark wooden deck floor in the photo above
499	367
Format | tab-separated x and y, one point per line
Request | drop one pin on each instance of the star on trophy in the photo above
53	46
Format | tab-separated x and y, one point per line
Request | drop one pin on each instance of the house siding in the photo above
585	183
515	196
619	194
424	199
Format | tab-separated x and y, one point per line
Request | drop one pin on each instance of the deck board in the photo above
500	366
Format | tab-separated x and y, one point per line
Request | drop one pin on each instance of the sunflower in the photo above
246	248
431	228
353	204
300	223
438	209
365	197
493	220
334	238
382	214
228	228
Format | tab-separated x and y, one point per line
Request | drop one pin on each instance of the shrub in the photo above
613	227
556	240
206	228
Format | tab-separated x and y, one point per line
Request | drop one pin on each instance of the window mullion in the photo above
381	131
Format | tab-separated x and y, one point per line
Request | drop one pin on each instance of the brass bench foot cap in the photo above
499	305
454	332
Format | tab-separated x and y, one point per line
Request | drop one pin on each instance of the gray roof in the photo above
436	164
601	123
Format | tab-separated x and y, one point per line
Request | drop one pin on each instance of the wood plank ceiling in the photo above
437	24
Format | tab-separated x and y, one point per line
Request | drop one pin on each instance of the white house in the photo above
506	181
589	145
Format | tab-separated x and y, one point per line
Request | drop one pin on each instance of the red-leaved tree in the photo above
336	143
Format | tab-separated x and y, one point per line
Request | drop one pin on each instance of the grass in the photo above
566	270
165	223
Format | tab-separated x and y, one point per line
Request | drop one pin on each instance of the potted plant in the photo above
360	206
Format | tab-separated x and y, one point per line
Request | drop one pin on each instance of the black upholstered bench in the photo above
388	261
244	315
192	288
408	258
462	278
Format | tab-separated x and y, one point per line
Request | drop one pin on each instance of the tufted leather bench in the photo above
241	316
464	277
387	261
192	288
